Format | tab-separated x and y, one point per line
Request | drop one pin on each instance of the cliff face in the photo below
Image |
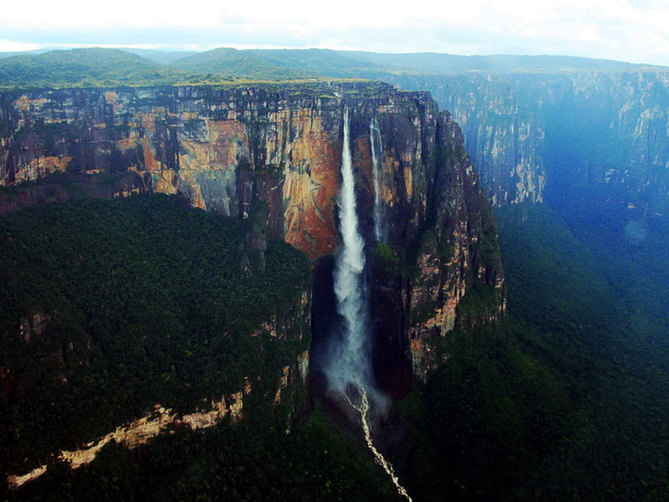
220	149
565	137
228	149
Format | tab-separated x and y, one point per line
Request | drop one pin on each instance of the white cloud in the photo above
634	29
9	46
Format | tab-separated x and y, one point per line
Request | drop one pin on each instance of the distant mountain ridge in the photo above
362	64
440	63
97	67
84	68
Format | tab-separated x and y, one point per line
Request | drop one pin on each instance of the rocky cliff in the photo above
225	149
597	137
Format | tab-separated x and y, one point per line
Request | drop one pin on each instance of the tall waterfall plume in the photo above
349	371
377	173
351	362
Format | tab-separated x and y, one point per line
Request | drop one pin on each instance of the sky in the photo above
627	30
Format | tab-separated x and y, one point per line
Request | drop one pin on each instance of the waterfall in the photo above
349	372
350	364
377	172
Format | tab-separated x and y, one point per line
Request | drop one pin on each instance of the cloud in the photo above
631	30
10	46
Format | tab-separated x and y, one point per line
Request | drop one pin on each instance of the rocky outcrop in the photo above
234	149
454	254
140	432
160	420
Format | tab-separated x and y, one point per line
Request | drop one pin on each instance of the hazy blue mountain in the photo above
9	54
160	56
279	64
361	64
432	62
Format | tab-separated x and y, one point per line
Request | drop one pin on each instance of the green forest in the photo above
150	301
318	460
566	400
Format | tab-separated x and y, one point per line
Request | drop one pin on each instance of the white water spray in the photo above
377	172
348	371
